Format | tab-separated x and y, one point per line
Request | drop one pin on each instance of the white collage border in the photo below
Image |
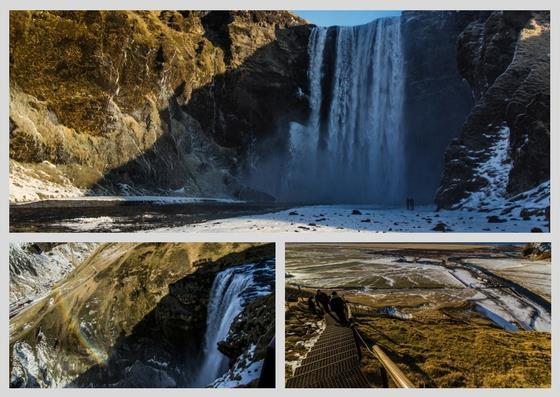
279	238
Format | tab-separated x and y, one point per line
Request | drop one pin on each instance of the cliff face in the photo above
130	315
504	145
35	268
167	102
437	99
130	102
538	251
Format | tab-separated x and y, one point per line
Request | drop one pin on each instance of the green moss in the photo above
79	61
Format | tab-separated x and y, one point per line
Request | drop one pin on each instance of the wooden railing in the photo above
388	366
396	374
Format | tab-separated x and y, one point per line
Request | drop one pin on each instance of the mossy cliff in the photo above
133	101
129	309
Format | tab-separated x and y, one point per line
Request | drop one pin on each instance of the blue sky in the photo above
344	18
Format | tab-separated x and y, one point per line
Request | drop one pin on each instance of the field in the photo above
447	315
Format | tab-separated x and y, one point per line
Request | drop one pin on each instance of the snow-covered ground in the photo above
533	275
244	371
389	280
346	218
504	307
33	274
368	271
41	183
495	170
91	224
307	345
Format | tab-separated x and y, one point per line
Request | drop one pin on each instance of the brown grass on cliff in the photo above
78	61
447	353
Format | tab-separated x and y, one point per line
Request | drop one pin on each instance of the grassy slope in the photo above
464	353
78	61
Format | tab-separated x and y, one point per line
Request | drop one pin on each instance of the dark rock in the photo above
39	248
495	219
245	193
537	250
429	36
254	326
507	210
140	375
356	212
527	213
441	227
510	92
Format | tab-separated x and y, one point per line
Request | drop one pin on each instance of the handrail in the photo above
396	374
348	309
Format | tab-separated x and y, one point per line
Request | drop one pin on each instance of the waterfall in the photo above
232	289
352	147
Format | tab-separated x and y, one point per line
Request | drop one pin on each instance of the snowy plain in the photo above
387	278
347	218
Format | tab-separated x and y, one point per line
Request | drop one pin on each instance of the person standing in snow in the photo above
323	300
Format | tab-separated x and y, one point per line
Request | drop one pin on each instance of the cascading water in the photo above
232	289
352	148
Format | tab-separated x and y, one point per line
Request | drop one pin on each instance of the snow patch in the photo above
44	182
396	313
373	219
495	170
33	274
245	370
495	318
307	345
